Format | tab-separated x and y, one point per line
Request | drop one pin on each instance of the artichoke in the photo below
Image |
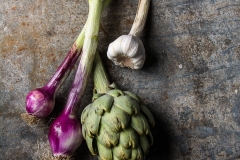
116	125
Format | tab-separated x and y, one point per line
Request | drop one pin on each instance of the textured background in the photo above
190	80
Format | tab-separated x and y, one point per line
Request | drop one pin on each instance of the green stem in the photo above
88	53
79	41
100	79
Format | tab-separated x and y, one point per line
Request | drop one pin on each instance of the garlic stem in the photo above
140	19
128	50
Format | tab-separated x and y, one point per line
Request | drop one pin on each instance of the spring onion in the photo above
65	134
40	101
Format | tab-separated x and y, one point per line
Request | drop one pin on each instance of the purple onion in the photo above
65	135
40	102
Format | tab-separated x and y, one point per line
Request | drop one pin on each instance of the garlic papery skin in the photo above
127	51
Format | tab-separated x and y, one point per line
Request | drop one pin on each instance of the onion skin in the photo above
65	135
65	132
40	102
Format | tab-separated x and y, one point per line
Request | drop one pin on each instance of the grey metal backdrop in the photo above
190	80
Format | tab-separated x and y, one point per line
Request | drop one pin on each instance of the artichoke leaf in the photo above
85	113
83	131
116	158
137	154
127	104
149	115
113	86
129	138
104	152
115	92
108	119
144	143
103	103
132	95
135	105
90	143
120	117
117	119
150	138
121	152
140	124
107	137
96	96
92	122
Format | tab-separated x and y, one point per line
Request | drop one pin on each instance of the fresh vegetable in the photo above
65	134
128	50
40	101
115	125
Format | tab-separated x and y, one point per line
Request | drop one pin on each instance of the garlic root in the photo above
128	50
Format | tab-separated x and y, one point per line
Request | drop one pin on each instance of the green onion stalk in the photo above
116	124
65	133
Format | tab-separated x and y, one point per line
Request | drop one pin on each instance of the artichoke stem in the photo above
101	82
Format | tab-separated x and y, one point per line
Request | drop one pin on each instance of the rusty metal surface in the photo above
190	80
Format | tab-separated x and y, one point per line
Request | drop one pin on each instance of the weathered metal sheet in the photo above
190	80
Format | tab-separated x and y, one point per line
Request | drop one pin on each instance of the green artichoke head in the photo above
116	126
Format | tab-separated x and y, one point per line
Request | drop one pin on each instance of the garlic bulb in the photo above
128	50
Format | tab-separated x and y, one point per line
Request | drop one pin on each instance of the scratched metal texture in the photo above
190	80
